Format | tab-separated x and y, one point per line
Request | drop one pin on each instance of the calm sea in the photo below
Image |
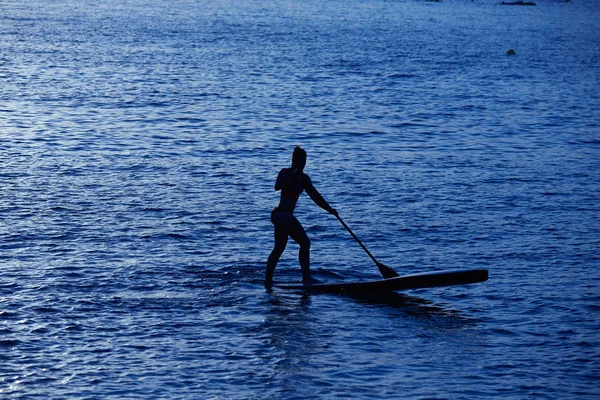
139	145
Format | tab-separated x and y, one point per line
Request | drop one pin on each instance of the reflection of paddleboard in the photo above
406	282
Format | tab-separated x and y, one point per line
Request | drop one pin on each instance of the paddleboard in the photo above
406	282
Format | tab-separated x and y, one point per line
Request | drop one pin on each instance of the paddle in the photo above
386	271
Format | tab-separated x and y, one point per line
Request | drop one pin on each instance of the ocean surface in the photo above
139	145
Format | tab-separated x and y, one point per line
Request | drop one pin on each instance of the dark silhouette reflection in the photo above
292	182
284	304
308	338
418	305
289	328
403	306
394	305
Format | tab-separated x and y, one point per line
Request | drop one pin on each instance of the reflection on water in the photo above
322	338
292	305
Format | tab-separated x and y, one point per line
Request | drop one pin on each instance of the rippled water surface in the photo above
139	144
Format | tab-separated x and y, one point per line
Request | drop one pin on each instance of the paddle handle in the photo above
357	240
386	271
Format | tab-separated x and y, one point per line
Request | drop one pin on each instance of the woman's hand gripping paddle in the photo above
386	271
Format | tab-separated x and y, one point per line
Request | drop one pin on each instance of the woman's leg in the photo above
281	238
296	231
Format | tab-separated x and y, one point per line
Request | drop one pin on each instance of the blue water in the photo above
139	144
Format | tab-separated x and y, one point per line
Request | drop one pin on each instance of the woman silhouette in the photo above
292	182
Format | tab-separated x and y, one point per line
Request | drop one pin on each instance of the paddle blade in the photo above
386	271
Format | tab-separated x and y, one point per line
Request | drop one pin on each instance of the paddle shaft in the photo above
386	271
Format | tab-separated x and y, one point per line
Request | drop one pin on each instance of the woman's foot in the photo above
310	281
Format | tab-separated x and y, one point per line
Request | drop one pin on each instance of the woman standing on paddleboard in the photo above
292	182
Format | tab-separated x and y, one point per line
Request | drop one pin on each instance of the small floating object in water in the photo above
518	3
511	52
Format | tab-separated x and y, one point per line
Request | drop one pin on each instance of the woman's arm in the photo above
315	195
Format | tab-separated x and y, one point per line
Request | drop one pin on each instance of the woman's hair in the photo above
299	154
